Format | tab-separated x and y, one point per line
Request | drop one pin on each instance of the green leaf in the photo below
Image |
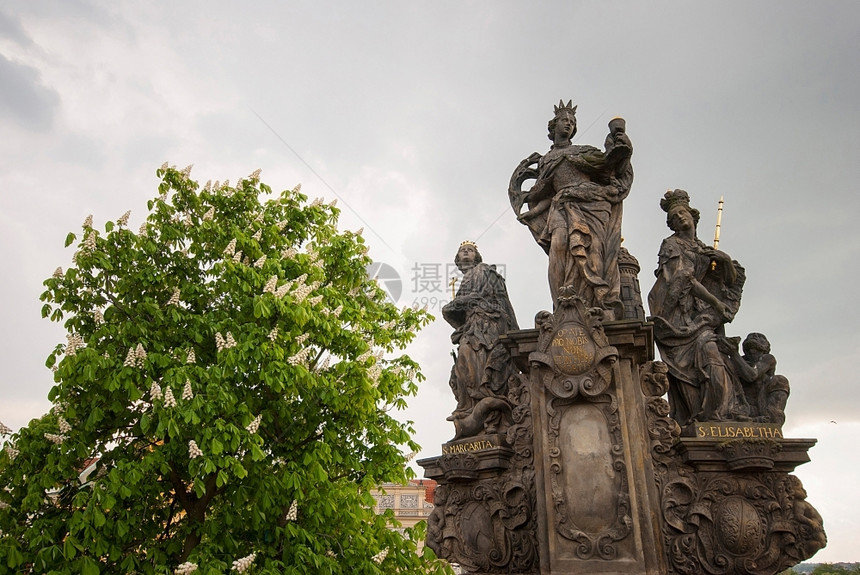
70	239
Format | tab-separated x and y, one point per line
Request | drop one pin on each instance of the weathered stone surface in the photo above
575	207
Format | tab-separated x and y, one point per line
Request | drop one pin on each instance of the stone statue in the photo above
698	290
765	392
575	209
480	312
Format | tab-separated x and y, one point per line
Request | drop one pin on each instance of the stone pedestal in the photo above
593	476
597	502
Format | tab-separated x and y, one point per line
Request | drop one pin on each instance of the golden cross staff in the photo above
719	220
717	230
452	284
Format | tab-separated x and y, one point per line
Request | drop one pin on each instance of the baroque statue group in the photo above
575	450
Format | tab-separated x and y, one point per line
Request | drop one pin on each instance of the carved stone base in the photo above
727	502
484	515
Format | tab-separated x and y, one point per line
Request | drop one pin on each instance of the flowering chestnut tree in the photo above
222	402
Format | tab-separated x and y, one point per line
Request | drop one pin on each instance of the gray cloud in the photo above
25	100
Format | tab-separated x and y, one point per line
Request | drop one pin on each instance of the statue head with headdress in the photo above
672	202
562	110
467	255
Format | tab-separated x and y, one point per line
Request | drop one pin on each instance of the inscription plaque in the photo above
572	350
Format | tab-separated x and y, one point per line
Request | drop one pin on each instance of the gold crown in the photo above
469	243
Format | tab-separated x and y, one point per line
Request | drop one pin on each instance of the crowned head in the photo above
467	255
674	202
567	111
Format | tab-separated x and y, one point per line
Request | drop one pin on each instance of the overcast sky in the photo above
415	115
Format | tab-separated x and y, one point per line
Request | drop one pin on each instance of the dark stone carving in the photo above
765	392
574	209
484	516
567	457
631	294
484	519
720	514
480	312
698	290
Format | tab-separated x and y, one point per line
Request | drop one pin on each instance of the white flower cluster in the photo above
54	438
222	343
282	224
324	365
208	186
333	203
365	356
186	171
188	221
187	392
411	456
88	222
174	298
98	317
193	451
209	214
288	253
273	335
58	408
241	565
135	357
58	273
293	512
169	400
301	291
13	453
271	285
259	217
143	231
380	557
301	357
260	262
74	344
237	257
302	338
5	430
389	324
186	568
255	175
231	248
258	234
191	357
89	242
4	505
254	425
123	219
359	231
155	391
63	425
316	202
316	299
373	373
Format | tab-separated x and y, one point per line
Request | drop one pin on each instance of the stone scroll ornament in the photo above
575	208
